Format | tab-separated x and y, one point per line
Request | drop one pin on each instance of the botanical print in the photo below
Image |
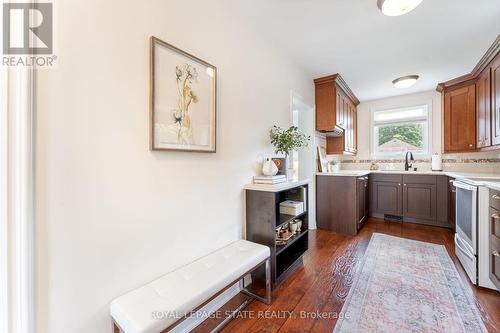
183	100
185	76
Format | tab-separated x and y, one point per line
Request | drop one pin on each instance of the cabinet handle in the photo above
496	197
495	253
404	184
471	145
399	184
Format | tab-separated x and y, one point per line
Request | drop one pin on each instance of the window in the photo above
396	131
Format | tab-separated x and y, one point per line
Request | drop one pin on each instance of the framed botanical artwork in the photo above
182	100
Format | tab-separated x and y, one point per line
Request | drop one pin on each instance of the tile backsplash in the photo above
486	162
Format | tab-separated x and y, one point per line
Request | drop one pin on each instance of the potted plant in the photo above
287	140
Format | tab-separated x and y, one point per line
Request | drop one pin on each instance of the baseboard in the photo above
190	323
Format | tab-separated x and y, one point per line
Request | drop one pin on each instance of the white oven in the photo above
466	227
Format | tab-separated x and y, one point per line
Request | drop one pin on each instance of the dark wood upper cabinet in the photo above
495	101
460	119
336	114
483	109
472	106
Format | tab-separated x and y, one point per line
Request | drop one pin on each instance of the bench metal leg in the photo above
268	298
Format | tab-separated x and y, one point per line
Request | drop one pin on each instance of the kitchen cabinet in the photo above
336	114
483	109
495	101
341	203
471	106
419	197
412	198
460	119
386	195
362	200
452	199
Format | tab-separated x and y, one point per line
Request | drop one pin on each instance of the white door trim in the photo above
17	308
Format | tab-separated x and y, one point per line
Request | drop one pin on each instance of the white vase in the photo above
269	168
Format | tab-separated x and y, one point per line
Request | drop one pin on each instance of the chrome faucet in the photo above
408	165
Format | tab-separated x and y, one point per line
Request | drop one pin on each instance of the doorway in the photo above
303	161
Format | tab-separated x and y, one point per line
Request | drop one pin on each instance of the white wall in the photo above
111	215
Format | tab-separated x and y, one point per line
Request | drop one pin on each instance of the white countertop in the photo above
276	187
490	180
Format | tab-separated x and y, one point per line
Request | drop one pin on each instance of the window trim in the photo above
402	106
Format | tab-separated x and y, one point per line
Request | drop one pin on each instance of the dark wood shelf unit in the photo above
262	220
281	248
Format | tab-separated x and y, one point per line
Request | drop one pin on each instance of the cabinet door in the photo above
483	109
452	199
460	119
419	201
354	129
386	198
495	247
361	189
347	133
325	104
495	101
339	107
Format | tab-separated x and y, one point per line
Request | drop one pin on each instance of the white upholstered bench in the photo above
189	288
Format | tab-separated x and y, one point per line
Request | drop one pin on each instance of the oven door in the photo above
466	215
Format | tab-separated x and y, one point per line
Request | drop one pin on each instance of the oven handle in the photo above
458	242
465	186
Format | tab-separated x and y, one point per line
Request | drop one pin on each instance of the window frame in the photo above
427	135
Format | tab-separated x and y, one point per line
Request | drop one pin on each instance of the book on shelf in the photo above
278	179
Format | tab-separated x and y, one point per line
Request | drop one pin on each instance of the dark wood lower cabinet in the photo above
413	198
341	203
452	199
419	201
362	200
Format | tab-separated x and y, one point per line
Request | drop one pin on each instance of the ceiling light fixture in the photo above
405	81
397	7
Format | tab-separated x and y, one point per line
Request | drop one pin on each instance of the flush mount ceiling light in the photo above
405	81
397	7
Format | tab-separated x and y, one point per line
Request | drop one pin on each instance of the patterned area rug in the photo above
408	286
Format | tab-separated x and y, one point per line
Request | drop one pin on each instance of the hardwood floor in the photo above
322	284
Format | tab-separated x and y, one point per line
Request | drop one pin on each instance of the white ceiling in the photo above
439	40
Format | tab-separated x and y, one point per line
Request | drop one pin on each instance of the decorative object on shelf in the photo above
280	164
291	207
333	166
270	180
287	141
269	168
299	224
183	100
374	166
293	227
321	151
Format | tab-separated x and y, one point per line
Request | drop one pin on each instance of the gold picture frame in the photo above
183	100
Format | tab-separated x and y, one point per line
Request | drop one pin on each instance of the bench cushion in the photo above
186	288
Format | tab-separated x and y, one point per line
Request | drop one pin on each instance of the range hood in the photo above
336	132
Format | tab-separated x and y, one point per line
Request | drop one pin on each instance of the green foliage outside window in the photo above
411	133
